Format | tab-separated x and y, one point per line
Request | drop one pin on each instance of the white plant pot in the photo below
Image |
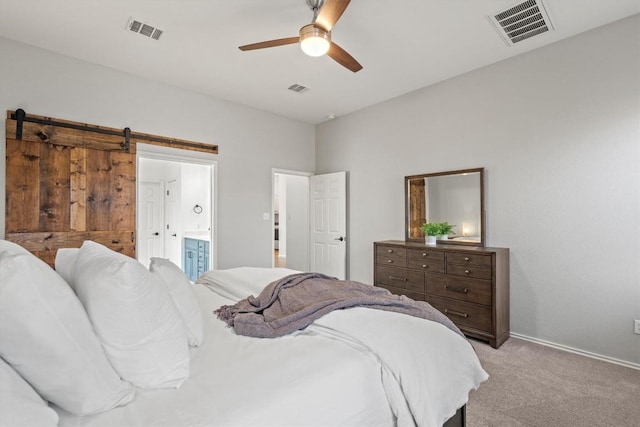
430	240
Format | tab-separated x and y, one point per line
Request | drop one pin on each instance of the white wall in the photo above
251	142
297	221
195	190
557	130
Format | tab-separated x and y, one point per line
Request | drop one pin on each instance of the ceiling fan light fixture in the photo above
314	41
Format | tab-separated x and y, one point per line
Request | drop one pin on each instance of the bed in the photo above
354	367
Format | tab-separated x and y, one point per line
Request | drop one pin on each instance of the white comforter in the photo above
427	370
355	367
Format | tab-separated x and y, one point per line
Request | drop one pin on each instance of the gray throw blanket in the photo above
295	301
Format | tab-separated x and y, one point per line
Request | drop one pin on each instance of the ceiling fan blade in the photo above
341	56
330	12
270	43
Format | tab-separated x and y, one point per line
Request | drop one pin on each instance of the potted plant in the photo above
443	230
430	230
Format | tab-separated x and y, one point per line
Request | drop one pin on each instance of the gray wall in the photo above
251	142
557	130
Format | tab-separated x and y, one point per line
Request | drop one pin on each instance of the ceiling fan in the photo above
315	38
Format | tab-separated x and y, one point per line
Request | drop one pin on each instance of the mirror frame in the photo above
407	208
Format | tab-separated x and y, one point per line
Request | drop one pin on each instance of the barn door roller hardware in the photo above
127	140
130	137
20	116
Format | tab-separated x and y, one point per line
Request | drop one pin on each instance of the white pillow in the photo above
46	336
65	257
179	287
133	316
20	405
12	248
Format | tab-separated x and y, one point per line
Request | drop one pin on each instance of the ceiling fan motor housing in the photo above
314	41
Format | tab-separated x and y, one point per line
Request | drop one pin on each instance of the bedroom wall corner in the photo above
557	131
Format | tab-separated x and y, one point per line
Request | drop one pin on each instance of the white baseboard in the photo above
578	351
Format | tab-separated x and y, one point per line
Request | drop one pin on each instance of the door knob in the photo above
340	239
174	235
156	234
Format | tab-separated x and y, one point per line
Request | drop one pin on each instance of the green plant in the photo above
430	228
444	228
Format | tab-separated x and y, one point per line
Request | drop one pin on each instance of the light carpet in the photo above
535	385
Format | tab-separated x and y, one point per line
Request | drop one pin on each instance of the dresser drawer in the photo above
391	251
469	271
479	260
426	260
463	313
400	278
470	283
391	261
399	291
460	288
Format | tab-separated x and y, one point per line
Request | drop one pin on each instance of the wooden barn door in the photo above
68	182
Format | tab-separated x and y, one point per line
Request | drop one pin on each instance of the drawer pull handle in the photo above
398	278
390	251
467	272
466	258
455	313
452	289
390	261
425	254
425	266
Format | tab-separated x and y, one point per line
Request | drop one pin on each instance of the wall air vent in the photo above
144	29
298	88
521	21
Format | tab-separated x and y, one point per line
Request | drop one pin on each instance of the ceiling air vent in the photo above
298	88
144	29
521	21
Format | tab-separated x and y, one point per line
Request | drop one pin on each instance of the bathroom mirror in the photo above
456	197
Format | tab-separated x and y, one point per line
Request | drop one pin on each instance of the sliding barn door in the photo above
67	183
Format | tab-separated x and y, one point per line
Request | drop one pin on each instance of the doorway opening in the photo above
177	210
290	195
310	222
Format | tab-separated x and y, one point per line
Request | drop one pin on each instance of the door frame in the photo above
275	171
148	151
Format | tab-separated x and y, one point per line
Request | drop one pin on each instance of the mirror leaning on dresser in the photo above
462	278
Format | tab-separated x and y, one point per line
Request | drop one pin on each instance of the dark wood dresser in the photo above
469	284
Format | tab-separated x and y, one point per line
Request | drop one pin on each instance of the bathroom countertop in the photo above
200	235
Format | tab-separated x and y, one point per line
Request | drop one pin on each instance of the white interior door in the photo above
150	213
328	219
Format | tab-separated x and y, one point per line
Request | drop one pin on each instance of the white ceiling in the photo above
403	45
